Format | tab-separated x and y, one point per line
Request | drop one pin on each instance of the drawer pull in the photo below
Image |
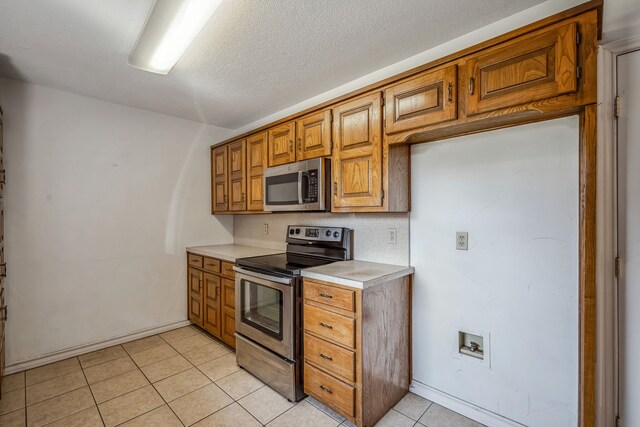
327	390
324	325
324	356
449	95
326	296
472	85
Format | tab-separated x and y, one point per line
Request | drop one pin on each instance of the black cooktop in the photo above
284	264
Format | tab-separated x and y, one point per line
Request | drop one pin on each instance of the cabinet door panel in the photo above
281	149
220	179
527	70
227	333
256	163
195	296
211	321
422	101
237	176
314	135
357	155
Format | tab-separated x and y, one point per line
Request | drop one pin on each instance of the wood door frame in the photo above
607	409
588	254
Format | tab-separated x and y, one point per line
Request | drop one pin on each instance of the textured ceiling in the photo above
254	57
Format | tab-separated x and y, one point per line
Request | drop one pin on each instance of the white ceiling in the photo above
254	57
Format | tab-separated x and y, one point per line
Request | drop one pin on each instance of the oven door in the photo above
265	311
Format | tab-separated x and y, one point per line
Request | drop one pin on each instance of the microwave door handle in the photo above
300	175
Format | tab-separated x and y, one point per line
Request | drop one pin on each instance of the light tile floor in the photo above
178	378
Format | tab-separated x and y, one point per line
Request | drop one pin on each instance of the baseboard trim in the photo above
87	348
460	406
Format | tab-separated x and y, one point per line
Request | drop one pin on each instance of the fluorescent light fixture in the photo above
168	31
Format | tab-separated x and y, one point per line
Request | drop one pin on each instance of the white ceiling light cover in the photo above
168	31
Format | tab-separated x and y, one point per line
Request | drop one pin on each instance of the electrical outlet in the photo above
265	229
393	236
462	240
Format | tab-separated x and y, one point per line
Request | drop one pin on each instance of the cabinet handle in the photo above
290	145
324	356
217	291
5	313
472	85
323	295
449	95
327	390
324	325
335	188
3	270
299	144
2	176
242	197
224	199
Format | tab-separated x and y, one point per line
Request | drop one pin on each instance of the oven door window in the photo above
282	189
262	308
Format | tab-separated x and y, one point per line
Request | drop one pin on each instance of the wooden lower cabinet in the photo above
210	287
353	362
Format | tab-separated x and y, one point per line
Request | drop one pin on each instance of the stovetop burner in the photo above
306	247
284	264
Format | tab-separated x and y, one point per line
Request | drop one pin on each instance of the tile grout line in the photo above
92	396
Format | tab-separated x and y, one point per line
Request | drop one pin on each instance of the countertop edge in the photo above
357	283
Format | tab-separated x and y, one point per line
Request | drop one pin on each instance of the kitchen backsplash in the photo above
371	232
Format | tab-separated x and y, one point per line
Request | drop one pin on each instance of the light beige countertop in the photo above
358	274
231	252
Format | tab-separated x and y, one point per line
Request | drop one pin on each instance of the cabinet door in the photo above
425	100
256	162
211	320
237	176
219	179
314	135
281	149
195	296
525	70
357	153
227	334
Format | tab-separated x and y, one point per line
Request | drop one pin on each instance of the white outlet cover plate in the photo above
462	240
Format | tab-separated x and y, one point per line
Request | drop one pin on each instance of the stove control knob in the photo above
328	233
336	234
297	231
291	231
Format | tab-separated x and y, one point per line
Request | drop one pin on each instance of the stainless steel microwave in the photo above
300	186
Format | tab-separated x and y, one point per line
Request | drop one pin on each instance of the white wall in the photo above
370	232
515	191
101	200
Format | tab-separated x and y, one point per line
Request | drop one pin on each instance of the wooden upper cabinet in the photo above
281	146
425	100
256	163
220	179
528	69
314	135
357	153
237	176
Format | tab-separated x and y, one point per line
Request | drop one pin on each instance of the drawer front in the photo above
194	260
335	360
330	391
531	69
212	265
227	269
331	326
330	295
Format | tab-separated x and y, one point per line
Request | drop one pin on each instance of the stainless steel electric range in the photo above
269	305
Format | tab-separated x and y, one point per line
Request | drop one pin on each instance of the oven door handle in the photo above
267	277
